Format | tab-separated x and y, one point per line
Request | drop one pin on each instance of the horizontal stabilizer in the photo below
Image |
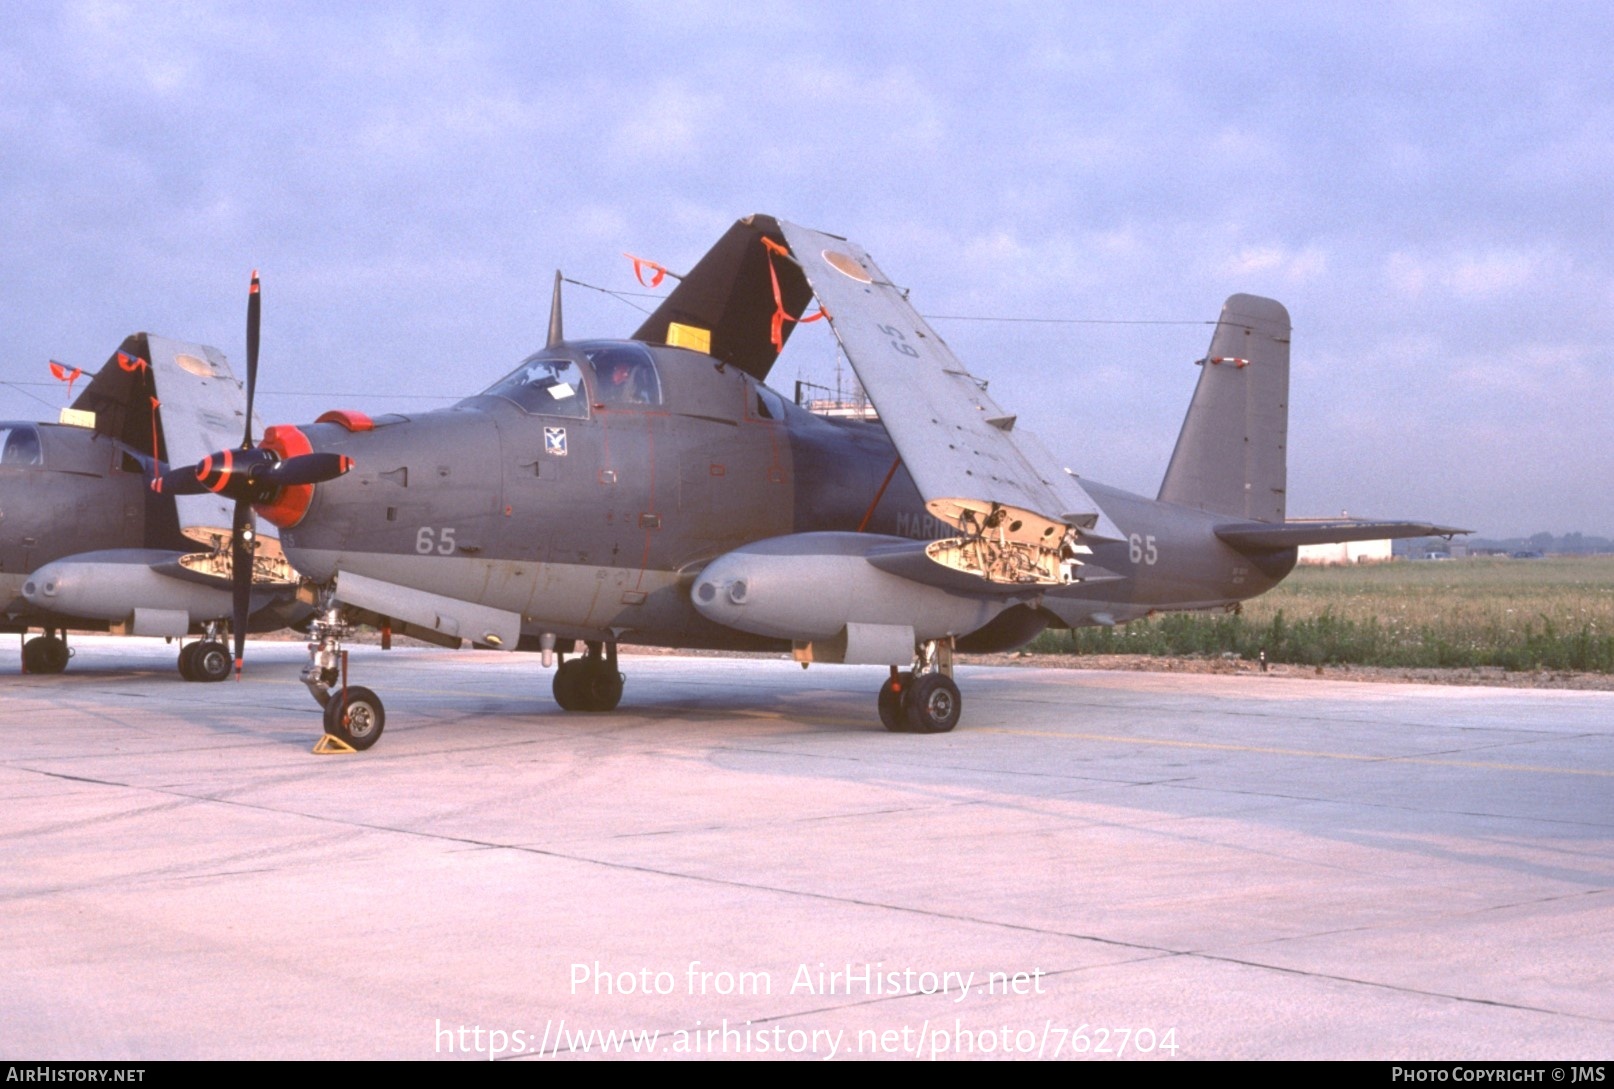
1264	537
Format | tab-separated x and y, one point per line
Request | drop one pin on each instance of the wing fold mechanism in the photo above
1021	519
269	563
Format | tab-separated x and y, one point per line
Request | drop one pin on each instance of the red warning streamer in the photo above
63	373
133	363
658	270
155	455
780	315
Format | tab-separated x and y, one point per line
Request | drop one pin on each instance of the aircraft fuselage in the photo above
66	491
591	516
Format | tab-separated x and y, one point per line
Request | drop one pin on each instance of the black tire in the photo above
211	661
187	661
566	688
599	685
44	654
891	693
933	705
357	719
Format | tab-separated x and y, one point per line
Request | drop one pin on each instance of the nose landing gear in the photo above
354	714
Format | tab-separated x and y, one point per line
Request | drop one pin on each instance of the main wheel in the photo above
187	661
358	719
599	687
566	686
211	661
891	694
44	654
933	705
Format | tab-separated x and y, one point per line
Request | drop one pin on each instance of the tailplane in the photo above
1230	456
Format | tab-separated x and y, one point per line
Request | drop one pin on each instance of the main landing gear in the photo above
45	653
923	700
207	660
589	683
353	714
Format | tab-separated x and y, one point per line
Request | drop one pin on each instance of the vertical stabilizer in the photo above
737	293
1230	456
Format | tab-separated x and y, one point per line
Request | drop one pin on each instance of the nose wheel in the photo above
925	699
355	715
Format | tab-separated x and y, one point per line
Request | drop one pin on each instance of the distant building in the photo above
1349	552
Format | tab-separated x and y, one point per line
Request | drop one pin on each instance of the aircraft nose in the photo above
430	485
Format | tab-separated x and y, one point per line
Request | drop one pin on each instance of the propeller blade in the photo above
181	481
306	469
254	317
241	538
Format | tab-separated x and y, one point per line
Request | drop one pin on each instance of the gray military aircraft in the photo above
85	544
656	490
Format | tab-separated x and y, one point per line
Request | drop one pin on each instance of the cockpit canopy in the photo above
555	381
547	384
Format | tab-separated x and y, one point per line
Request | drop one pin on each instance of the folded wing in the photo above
1021	518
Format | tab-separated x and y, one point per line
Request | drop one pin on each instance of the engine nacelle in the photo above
122	588
821	591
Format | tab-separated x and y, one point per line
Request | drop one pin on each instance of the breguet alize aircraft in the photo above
85	544
655	491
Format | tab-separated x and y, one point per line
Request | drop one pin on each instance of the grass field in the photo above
1555	614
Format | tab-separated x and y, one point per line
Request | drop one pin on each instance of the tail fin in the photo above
1230	456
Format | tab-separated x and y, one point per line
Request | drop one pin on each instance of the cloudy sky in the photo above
1426	186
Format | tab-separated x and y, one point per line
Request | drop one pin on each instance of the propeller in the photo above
249	475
